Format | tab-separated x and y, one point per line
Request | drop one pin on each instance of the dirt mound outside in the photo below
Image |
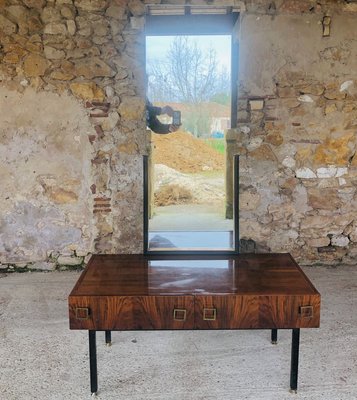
172	194
185	153
170	184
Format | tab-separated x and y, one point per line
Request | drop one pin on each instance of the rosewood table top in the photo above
140	275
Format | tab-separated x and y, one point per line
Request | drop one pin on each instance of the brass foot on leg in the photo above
94	394
274	342
293	391
108	344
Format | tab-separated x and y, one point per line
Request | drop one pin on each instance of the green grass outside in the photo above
217	144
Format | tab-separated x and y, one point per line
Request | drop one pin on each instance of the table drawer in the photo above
257	312
131	312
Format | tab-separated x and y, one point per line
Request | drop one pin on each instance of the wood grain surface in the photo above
132	312
250	291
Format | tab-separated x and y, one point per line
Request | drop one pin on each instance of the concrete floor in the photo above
190	217
40	358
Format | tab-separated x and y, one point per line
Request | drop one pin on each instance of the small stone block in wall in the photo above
102	199
72	261
331	172
340	241
326	249
99	160
256	104
98	114
91	138
101	105
326	26
99	131
101	205
305	173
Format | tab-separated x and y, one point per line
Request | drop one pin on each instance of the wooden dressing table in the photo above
142	292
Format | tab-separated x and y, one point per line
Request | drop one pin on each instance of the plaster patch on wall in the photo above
45	175
29	232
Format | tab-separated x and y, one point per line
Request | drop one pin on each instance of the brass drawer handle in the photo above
306	311
179	314
82	313
209	314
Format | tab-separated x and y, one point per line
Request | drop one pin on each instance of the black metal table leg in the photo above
274	336
108	338
93	362
294	360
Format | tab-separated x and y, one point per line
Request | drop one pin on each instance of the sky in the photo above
157	46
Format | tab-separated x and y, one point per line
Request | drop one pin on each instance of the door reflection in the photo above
191	276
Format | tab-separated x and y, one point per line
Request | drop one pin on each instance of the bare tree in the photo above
187	75
223	93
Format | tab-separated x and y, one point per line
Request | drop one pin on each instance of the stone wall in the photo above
72	128
297	129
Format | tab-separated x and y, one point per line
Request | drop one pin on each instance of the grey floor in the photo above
190	217
40	358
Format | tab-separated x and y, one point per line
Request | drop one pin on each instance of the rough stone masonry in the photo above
72	128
